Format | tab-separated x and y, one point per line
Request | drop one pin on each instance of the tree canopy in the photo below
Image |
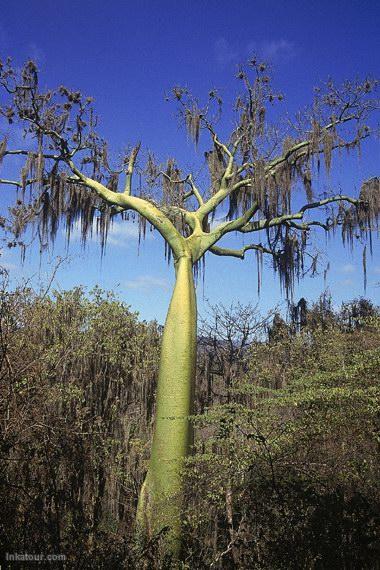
70	174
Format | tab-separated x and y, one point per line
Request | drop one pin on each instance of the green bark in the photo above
161	497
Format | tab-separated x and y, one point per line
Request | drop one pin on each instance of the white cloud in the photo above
278	49
348	268
7	265
7	261
146	282
273	50
347	282
7	256
120	234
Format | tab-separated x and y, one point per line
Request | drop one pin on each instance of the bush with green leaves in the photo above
286	473
284	470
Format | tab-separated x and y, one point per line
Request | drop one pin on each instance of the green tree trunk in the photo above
161	497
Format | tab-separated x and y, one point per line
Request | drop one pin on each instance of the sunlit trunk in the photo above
161	497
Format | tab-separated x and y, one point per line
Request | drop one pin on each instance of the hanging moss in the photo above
3	148
142	223
315	137
113	182
193	122
172	185
328	143
259	263
307	184
267	162
216	163
288	260
369	207
260	184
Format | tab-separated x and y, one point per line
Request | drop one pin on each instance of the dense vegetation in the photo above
284	473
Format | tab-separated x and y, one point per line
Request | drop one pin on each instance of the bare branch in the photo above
28	152
194	189
129	171
279	220
62	125
306	144
306	226
239	253
238	223
15	183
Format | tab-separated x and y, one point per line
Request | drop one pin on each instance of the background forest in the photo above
284	473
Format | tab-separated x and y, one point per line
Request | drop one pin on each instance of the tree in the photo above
223	339
286	475
67	176
77	379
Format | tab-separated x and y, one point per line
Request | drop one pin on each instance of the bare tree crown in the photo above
68	174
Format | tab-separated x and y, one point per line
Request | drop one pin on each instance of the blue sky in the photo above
129	54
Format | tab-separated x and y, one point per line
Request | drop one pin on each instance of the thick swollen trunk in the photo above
161	497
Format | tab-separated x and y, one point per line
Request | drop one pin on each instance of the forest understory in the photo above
284	473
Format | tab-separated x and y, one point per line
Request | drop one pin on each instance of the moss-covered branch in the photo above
279	220
239	253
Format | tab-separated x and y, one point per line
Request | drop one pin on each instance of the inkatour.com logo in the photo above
25	557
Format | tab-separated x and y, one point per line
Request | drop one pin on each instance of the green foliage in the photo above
284	473
77	385
287	476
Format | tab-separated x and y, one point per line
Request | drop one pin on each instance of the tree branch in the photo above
238	223
146	209
209	239
27	152
187	180
306	143
194	189
306	226
263	224
129	172
239	253
10	182
224	190
303	146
